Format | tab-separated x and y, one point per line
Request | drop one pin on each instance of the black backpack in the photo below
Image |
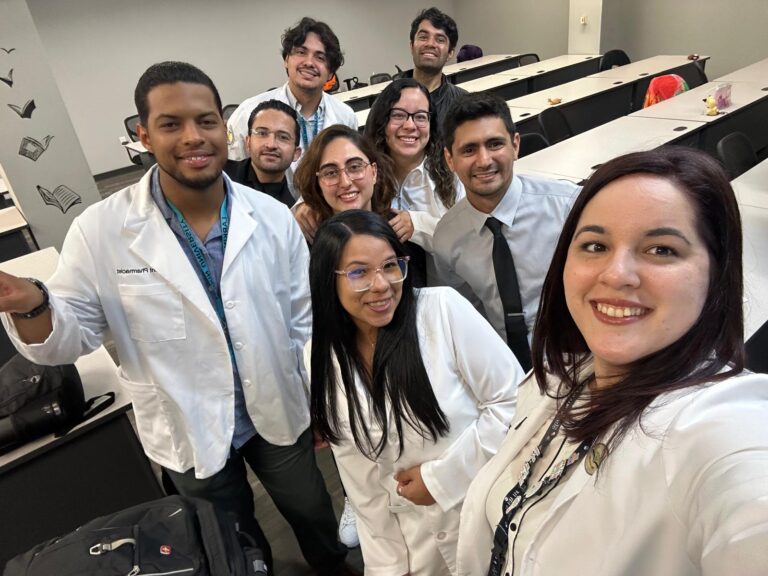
174	535
37	400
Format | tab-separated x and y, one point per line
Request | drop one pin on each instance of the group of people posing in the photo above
516	375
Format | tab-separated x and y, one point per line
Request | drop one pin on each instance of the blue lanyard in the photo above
303	124
203	265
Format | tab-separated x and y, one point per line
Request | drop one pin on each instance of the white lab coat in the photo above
687	498
123	270
474	376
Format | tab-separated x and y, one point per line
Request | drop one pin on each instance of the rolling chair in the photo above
613	58
555	125
525	59
530	143
700	76
756	349
226	112
736	153
353	83
379	77
130	127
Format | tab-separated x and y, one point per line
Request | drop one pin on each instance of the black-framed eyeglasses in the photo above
361	278
331	175
398	117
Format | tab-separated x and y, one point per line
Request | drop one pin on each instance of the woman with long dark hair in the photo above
412	388
641	444
403	126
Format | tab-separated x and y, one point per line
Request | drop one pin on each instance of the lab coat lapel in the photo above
155	243
241	227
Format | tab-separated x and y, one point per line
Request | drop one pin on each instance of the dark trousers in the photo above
292	479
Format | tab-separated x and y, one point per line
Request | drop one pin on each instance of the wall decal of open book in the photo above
32	148
62	197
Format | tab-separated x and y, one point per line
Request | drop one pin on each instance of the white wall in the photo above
733	33
99	48
514	26
585	38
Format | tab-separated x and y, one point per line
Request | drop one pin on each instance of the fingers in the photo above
402	226
307	220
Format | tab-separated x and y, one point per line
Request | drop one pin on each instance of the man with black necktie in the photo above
495	245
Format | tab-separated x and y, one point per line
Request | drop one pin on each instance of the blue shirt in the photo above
213	252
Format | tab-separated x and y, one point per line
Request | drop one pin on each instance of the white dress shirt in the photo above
533	212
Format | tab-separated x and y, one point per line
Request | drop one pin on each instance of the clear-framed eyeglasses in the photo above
361	278
398	117
281	136
331	175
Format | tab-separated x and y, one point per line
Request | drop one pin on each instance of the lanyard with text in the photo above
316	129
203	265
520	493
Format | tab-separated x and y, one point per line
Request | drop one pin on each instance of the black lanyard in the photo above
515	499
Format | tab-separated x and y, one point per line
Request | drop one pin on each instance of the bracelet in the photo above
38	309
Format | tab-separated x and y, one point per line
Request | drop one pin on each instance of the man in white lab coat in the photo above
202	284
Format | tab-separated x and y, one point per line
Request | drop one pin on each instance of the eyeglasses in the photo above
280	136
361	278
398	117
331	175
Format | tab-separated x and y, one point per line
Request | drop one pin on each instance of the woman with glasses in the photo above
342	171
412	388
640	444
402	125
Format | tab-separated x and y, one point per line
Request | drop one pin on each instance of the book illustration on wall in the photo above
24	111
32	148
7	50
62	197
8	79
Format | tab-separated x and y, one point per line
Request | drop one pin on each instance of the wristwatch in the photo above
38	309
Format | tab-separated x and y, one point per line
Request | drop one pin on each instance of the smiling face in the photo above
482	156
271	143
374	308
307	65
430	48
637	272
186	134
407	141
348	194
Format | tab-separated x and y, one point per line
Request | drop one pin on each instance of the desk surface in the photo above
754	222
579	156
476	63
97	370
757	72
135	146
519	113
648	67
567	93
523	72
11	220
364	92
690	105
494	81
752	189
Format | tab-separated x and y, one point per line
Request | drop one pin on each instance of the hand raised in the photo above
307	220
402	224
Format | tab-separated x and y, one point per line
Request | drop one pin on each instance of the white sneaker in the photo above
348	526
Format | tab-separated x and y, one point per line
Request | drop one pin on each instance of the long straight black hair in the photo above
713	347
398	378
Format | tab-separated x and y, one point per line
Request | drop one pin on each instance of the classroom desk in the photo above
534	77
754	223
362	98
52	485
641	73
586	102
526	119
757	72
748	113
752	187
579	156
12	240
479	67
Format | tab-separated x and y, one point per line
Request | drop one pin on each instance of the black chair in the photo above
699	77
353	83
555	125
130	127
379	77
226	112
613	58
530	143
736	153
525	59
757	350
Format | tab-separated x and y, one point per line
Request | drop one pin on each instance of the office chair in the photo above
700	77
756	349
736	153
226	112
613	58
525	59
530	143
664	87
130	127
353	83
555	125
468	52
379	77
332	85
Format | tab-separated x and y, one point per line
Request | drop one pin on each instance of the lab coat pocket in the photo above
152	422
154	312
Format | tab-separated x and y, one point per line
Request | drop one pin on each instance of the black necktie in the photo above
506	281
